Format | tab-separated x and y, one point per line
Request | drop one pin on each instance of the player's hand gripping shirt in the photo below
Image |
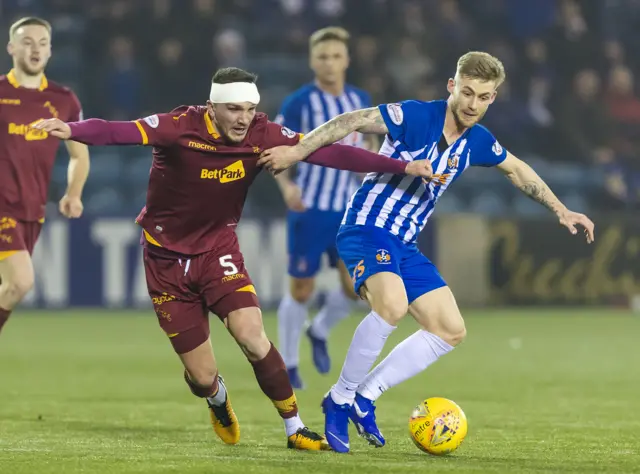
402	204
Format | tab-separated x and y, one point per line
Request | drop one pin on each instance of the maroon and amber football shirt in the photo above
198	181
27	155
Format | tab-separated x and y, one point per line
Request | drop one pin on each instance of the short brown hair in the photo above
26	21
482	66
227	75
329	33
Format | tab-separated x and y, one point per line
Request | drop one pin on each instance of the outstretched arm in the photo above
156	130
358	160
95	131
365	121
530	183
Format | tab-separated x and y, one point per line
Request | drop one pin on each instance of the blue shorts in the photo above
367	250
310	235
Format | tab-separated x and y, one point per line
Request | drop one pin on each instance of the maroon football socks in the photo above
272	377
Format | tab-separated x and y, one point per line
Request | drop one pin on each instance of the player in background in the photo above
27	156
317	200
377	239
204	161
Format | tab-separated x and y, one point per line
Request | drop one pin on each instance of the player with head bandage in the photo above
204	160
377	239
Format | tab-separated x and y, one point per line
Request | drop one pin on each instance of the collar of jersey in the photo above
210	127
11	77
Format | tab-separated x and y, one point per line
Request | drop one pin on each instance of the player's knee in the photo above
456	335
16	289
253	341
390	307
453	332
202	375
302	289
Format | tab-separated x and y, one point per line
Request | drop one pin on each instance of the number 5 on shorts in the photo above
225	262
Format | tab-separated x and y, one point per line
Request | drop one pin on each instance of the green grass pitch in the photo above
102	392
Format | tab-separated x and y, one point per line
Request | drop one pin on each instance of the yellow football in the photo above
438	426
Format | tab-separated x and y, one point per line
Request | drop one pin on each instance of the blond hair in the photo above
26	21
329	33
482	66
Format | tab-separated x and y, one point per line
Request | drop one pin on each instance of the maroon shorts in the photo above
17	235
185	290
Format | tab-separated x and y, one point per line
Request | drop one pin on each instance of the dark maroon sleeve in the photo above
156	130
101	132
350	158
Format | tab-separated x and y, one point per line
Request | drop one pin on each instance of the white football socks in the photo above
220	397
409	358
366	345
293	424
291	318
336	308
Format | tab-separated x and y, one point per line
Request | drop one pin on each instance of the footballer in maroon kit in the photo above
204	160
27	156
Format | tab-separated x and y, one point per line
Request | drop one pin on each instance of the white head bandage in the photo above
234	92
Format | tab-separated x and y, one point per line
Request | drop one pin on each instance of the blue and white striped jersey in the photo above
324	189
402	204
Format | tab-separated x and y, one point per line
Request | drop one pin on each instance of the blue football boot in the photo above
363	415
336	424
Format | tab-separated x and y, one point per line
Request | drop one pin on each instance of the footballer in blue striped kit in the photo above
317	198
377	238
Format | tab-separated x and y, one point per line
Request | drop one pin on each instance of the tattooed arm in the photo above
365	121
527	180
530	183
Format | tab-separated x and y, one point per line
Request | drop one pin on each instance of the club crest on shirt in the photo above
452	161
48	105
383	256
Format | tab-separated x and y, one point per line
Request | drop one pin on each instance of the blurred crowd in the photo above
570	100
